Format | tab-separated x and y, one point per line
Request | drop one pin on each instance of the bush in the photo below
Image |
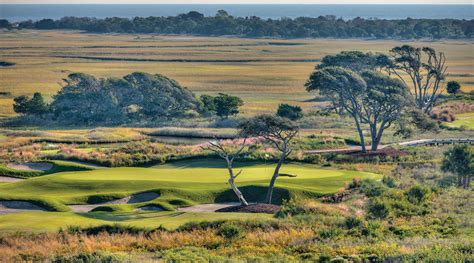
352	222
418	194
230	231
290	112
372	188
378	209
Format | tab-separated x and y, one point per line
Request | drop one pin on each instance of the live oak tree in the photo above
227	153
370	97
426	70
30	106
279	132
460	161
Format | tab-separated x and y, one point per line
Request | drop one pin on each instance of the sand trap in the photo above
7	207
150	208
207	207
135	198
7	179
30	166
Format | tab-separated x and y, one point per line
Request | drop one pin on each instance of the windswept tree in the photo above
227	105
426	71
227	152
30	106
370	97
291	112
459	160
279	132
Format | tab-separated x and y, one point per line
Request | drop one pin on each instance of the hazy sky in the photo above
236	2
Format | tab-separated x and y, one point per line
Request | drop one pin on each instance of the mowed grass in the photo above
53	221
463	120
278	76
199	181
179	184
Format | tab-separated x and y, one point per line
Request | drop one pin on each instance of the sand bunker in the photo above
7	207
151	207
207	207
30	166
135	198
7	179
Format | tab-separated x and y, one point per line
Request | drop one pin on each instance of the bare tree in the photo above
225	153
426	75
278	131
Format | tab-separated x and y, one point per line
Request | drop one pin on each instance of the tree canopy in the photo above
460	161
135	97
302	27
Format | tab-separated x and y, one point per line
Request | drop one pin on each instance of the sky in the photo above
470	2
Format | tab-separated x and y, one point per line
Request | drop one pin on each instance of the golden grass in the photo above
262	85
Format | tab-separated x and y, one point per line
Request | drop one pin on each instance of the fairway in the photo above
178	184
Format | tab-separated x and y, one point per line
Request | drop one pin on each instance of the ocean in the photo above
16	13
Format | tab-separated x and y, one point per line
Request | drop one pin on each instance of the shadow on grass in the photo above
254	194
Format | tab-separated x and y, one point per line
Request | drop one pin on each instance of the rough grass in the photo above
58	166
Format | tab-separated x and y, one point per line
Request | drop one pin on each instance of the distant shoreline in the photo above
22	12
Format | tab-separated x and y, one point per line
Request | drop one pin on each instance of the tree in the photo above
36	105
370	98
20	104
135	97
460	161
225	152
227	105
26	106
291	112
426	69
208	103
453	87
277	131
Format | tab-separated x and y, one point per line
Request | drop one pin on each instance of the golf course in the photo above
179	184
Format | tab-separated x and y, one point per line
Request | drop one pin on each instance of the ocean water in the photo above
15	13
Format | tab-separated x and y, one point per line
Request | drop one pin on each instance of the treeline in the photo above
135	98
222	23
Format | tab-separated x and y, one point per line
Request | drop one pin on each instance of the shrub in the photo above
418	194
378	209
372	188
290	112
453	87
230	231
352	222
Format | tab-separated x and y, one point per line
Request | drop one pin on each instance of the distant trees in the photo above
279	132
291	112
302	27
30	106
426	69
354	82
135	97
459	160
223	105
453	87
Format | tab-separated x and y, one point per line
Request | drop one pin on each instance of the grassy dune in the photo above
276	71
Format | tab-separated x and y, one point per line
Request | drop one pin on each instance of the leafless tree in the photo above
225	153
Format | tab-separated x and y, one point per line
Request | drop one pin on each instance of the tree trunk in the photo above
275	175
460	180
378	137
237	192
361	134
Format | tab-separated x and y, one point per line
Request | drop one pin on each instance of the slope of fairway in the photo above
190	181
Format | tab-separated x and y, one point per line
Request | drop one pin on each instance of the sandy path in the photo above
30	166
7	179
207	207
135	198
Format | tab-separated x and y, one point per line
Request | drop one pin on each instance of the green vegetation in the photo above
195	23
191	180
58	166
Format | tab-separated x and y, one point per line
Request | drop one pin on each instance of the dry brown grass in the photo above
262	85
